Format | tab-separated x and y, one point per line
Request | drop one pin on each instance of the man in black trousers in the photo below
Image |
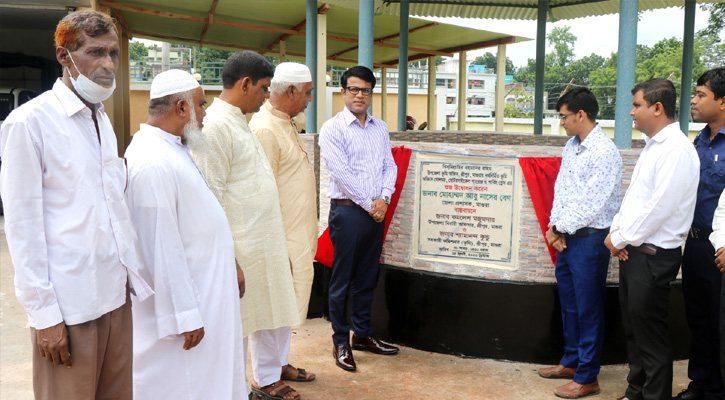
647	235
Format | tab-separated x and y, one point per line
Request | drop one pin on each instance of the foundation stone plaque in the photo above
467	209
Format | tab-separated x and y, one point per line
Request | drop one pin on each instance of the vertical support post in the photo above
117	106
282	51
311	62
384	94
688	44
500	87
365	37
321	67
403	66
165	56
365	33
540	63
626	61
431	92
462	87
121	97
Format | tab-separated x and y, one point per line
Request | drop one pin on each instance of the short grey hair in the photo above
161	106
278	87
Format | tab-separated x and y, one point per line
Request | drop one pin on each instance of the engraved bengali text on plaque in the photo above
466	208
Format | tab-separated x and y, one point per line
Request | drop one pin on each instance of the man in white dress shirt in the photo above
647	234
188	337
67	224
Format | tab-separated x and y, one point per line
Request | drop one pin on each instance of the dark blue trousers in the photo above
358	242
581	276
701	288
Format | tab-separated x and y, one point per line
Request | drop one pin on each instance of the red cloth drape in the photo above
401	155
540	174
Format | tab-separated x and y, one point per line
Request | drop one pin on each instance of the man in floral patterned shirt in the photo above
586	198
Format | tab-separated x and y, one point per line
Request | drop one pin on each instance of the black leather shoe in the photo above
373	345
687	394
343	357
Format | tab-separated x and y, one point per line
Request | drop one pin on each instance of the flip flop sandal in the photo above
275	391
290	373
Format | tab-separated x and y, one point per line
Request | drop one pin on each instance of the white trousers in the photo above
270	350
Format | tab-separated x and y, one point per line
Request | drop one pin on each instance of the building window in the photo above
450	100
477	101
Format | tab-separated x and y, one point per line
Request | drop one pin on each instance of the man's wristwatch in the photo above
386	199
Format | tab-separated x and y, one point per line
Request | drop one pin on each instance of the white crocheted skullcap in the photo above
172	81
292	72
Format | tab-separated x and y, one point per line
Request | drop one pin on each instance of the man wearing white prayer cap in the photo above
188	337
290	92
236	167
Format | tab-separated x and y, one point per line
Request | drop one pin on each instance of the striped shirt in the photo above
359	160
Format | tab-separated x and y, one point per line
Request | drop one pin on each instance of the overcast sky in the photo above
594	34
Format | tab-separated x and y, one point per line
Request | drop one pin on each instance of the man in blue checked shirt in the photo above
356	149
586	198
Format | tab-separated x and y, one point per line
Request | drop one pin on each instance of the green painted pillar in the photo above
540	67
688	45
626	62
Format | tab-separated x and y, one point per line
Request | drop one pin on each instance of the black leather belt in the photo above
343	202
700	233
586	231
653	250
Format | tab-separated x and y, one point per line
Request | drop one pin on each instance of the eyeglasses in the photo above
354	90
563	117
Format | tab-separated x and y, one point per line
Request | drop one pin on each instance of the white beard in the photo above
192	136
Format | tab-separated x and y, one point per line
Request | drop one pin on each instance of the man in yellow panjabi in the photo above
290	92
237	171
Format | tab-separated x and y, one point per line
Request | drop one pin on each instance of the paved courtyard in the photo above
412	374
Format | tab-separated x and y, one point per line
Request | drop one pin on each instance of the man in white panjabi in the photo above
290	92
239	174
188	337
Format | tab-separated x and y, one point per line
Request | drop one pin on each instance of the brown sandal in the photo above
276	391
290	373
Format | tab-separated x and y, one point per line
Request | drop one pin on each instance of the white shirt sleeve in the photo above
152	198
21	185
671	174
717	237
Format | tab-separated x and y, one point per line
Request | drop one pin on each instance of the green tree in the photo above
562	41
716	22
581	69
208	54
137	51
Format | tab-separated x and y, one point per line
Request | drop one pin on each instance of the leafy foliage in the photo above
600	74
137	50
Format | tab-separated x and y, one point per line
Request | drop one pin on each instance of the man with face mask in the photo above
188	337
67	224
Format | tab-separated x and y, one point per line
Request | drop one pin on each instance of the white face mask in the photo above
89	90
